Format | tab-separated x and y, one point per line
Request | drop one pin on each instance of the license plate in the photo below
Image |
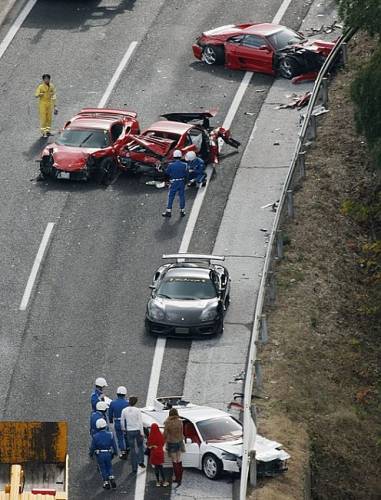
63	175
181	330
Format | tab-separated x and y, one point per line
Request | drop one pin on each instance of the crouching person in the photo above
104	447
196	169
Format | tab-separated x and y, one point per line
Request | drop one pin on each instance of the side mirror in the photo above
188	441
264	47
152	287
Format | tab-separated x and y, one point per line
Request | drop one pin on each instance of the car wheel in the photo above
288	67
211	466
108	171
213	54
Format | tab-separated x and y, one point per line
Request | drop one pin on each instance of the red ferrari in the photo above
89	145
184	131
267	48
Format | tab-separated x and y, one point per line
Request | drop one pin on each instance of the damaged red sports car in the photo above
89	145
263	47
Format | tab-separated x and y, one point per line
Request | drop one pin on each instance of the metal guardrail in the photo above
275	251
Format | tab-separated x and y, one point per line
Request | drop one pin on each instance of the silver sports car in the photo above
189	296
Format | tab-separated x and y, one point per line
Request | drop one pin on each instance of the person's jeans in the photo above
176	187
135	443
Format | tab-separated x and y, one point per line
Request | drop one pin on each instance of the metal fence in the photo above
274	252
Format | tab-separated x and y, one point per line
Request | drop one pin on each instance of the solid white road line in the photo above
281	11
16	26
117	74
36	266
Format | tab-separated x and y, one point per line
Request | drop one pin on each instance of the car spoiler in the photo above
182	257
93	112
191	117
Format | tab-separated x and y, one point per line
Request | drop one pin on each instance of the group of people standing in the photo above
129	433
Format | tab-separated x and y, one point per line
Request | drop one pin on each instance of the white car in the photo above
213	439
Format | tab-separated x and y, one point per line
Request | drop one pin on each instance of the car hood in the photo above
68	158
223	32
155	146
265	449
183	311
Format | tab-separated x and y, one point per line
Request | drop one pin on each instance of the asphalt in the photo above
86	315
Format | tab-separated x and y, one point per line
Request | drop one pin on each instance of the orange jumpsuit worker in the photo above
46	94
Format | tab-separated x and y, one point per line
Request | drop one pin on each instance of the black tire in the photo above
289	67
213	54
211	466
108	172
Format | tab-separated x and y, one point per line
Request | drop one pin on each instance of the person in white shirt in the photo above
132	424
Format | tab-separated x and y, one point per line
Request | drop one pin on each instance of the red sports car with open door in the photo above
89	146
263	47
152	149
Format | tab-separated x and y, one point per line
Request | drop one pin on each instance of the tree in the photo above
363	14
366	94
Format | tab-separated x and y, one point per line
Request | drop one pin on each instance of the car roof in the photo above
169	126
92	123
194	413
264	29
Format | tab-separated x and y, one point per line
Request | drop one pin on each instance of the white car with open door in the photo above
213	439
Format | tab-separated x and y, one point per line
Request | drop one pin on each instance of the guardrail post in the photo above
302	164
258	374
279	244
323	92
344	53
263	331
290	203
253	469
271	287
311	129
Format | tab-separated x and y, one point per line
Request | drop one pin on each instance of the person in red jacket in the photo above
155	444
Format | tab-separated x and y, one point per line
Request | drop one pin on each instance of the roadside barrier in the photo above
267	291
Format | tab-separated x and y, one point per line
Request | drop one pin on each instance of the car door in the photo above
191	457
253	53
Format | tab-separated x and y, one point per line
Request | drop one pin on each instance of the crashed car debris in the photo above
89	145
213	439
189	297
150	152
263	47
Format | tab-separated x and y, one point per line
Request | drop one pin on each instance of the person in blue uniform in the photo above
100	412
114	413
104	448
196	169
177	172
97	394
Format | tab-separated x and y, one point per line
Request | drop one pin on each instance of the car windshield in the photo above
184	288
219	429
84	138
283	38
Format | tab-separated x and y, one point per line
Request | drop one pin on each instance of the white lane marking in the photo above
16	26
193	216
116	75
281	11
36	266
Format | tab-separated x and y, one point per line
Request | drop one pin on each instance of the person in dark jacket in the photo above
177	172
155	443
196	169
174	439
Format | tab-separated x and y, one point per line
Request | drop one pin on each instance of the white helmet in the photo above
121	390
177	154
101	382
101	423
190	156
101	406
